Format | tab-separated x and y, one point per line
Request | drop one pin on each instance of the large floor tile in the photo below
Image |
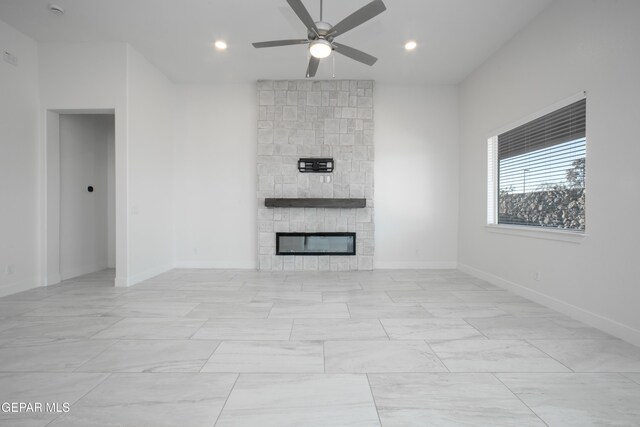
380	357
152	400
422	296
272	286
152	328
526	309
309	311
245	329
579	329
153	309
635	376
212	286
35	294
300	400
15	308
432	330
267	357
388	285
204	275
330	329
463	310
521	328
152	356
217	296
57	327
287	296
593	355
43	388
389	311
49	355
578	399
331	286
447	399
362	297
496	296
495	356
52	309
444	285
231	310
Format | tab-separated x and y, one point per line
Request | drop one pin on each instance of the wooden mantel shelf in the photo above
315	203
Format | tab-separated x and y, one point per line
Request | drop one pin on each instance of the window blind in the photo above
563	125
540	170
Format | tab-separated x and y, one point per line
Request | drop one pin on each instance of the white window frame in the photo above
492	225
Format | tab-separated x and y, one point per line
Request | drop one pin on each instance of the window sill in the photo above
524	231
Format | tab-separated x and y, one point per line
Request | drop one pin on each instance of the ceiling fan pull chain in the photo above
334	66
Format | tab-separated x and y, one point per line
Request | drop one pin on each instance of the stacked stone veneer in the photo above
303	118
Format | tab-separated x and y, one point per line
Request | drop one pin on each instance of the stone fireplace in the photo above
305	119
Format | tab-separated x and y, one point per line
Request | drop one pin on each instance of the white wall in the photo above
215	177
150	137
85	145
416	176
19	184
111	195
82	77
113	76
572	46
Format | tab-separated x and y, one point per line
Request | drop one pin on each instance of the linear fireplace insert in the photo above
315	243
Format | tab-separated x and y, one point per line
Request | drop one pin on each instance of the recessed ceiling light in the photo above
54	8
220	45
410	45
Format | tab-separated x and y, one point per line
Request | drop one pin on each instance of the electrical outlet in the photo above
10	58
537	276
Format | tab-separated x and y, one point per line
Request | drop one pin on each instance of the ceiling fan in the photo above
321	35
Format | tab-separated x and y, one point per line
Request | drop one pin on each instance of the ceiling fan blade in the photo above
313	66
303	14
356	54
358	17
275	43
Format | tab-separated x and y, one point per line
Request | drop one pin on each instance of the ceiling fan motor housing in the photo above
324	28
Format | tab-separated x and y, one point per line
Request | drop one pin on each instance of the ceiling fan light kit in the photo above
320	48
321	35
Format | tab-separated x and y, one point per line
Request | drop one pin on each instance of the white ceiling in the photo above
454	36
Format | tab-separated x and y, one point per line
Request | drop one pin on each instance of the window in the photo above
537	171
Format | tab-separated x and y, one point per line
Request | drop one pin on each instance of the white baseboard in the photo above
598	321
215	265
415	265
53	280
140	277
14	288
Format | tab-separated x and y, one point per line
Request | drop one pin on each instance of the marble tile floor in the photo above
246	348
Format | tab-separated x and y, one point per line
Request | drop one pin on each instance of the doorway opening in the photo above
81	196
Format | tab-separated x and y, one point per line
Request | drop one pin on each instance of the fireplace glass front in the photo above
315	243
